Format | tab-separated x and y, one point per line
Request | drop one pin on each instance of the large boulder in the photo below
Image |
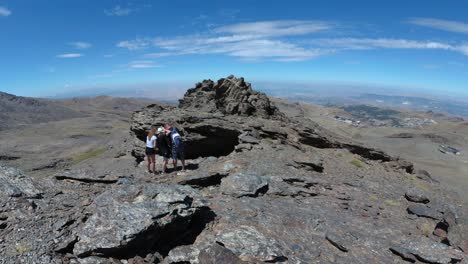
13	183
140	219
239	185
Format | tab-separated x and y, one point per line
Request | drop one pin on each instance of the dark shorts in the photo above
165	153
150	151
178	152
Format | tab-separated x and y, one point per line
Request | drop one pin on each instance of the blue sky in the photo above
56	46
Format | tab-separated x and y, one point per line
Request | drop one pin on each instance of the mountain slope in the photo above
17	111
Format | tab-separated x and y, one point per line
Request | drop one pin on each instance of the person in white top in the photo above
151	150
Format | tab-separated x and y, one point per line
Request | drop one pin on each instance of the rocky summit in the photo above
262	186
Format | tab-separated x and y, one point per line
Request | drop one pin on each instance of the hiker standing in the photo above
177	145
163	145
151	150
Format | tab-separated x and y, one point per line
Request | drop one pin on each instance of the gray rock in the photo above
239	185
458	236
340	240
13	183
416	195
427	251
424	211
183	254
140	216
247	138
243	147
217	254
249	244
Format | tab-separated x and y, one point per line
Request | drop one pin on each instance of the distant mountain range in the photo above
443	105
416	103
16	111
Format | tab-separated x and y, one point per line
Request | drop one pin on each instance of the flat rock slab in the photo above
137	217
249	139
417	195
426	250
239	185
86	176
423	210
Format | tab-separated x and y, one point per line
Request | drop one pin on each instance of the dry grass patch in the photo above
357	163
88	155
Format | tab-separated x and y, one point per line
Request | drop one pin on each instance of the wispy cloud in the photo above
144	64
69	55
118	11
276	28
80	45
288	40
248	41
441	24
4	12
369	43
387	43
136	44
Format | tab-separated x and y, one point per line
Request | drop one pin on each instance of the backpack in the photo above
175	137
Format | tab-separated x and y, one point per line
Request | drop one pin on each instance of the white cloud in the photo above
288	40
463	49
4	11
142	64
136	44
275	28
69	55
248	41
156	55
244	47
80	45
369	43
118	11
446	25
386	43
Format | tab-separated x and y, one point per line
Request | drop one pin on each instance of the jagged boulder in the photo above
13	183
139	219
230	96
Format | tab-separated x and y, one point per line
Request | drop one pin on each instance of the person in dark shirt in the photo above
163	144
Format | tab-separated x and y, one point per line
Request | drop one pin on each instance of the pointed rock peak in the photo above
230	96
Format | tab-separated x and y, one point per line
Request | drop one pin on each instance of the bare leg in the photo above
174	162
148	160
153	166
183	163
165	161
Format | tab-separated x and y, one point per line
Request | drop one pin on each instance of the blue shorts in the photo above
178	152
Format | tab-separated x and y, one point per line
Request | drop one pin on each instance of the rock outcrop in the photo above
230	96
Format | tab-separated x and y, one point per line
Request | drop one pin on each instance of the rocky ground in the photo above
421	145
262	186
